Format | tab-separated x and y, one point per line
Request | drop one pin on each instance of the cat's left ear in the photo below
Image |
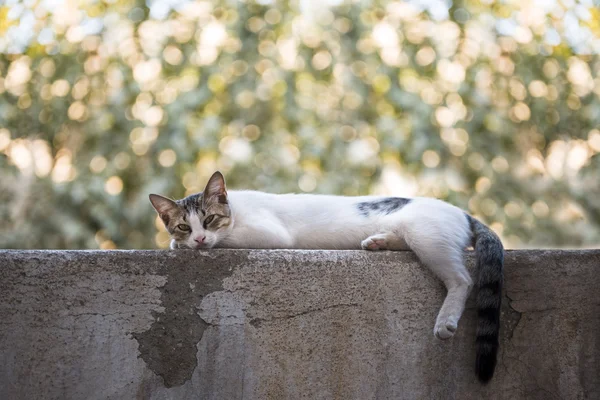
164	206
215	190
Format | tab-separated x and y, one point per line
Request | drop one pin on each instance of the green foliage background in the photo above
492	106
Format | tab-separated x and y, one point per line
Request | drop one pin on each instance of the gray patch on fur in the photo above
385	206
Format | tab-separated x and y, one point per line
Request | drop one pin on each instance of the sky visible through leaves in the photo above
493	106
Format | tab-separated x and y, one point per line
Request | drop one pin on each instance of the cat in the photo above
436	231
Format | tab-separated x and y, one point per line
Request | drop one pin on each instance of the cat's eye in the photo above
183	227
208	220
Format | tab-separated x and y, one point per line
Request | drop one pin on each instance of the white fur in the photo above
198	232
436	231
264	220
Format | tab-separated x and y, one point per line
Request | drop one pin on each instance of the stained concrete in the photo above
252	324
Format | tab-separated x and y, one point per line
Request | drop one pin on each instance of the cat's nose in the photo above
200	240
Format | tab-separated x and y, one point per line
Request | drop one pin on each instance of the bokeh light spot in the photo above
430	158
167	158
113	185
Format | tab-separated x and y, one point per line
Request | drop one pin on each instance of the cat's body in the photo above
436	231
302	221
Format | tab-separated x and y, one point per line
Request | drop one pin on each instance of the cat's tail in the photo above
489	254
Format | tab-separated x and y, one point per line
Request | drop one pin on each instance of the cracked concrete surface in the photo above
276	324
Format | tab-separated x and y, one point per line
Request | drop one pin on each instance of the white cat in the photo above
436	231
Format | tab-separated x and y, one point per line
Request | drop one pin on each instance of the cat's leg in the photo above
446	261
438	234
384	241
459	287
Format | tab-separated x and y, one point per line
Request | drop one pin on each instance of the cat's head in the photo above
198	221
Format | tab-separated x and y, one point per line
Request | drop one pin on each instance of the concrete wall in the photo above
227	324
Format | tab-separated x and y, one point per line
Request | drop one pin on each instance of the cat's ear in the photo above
215	190
165	207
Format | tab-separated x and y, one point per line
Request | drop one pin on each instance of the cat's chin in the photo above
202	247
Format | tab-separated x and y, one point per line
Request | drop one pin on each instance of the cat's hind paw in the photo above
445	329
375	242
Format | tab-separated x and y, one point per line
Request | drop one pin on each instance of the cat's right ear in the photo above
215	190
164	206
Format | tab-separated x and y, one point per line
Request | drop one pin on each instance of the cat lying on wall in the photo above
436	231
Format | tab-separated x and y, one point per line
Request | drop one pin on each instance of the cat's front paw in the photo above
374	243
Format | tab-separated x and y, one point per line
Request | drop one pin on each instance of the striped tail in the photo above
490	259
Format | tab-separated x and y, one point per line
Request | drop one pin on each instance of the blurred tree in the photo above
493	106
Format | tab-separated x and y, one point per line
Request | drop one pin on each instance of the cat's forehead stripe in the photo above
191	203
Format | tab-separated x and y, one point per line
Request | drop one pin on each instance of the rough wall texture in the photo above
237	324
